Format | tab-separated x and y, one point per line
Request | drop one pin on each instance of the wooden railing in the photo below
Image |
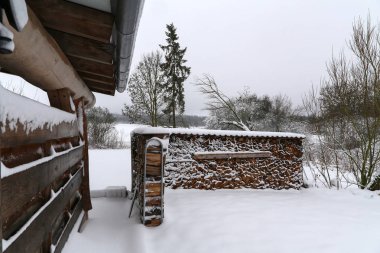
44	175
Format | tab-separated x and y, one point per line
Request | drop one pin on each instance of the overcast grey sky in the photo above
271	46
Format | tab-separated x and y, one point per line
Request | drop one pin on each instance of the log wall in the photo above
43	187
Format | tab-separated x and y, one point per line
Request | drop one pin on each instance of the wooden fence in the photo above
44	172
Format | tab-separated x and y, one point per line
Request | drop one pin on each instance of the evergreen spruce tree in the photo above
175	74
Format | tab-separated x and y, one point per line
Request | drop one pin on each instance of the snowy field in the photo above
309	220
124	131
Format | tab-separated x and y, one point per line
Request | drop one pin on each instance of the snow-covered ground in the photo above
309	220
109	167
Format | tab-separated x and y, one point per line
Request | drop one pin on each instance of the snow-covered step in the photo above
110	192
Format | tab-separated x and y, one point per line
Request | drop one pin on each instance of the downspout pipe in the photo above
127	16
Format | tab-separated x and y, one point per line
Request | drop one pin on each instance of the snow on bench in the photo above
230	155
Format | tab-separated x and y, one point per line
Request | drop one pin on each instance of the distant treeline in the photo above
182	120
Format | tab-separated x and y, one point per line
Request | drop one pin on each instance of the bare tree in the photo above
348	108
246	111
282	112
320	154
218	101
145	90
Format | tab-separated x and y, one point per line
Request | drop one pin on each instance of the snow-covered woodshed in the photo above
70	49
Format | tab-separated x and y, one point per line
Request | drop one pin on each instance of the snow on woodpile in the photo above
209	159
191	131
32	115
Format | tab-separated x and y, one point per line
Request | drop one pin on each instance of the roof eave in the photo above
127	17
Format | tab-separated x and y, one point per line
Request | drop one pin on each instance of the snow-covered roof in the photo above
192	131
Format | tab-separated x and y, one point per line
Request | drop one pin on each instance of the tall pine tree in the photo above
175	74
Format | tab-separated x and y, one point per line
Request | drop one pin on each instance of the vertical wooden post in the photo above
45	247
85	187
1	223
1	158
61	99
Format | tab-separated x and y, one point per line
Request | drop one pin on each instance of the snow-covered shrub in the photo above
247	111
101	129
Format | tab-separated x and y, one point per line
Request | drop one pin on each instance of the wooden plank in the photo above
61	99
20	155
10	138
98	68
230	155
46	245
19	217
31	239
81	47
153	194
153	211
156	201
154	149
69	227
58	227
1	223
94	77
152	222
153	170
13	157
100	86
74	19
62	180
153	159
83	222
39	60
153	189
111	93
18	189
85	187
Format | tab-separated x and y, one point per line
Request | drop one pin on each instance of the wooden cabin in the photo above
69	49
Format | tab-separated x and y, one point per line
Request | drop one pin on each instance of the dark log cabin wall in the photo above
66	49
43	187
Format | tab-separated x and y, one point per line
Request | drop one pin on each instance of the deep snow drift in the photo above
238	221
